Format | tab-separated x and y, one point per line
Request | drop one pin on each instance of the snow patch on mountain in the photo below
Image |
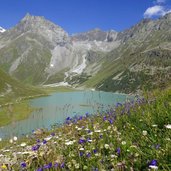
2	30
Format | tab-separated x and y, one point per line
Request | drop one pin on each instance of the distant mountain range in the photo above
38	52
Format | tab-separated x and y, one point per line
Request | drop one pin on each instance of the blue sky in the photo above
83	15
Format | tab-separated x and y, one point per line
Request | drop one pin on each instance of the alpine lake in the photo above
55	108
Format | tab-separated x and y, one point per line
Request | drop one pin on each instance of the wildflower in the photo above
123	142
48	166
106	146
23	164
94	151
89	140
144	133
56	165
104	118
11	141
15	138
168	126
81	154
88	155
153	164
63	165
36	147
109	128
68	118
101	136
44	141
69	143
23	144
0	139
97	131
48	138
154	125
40	169
4	166
85	167
77	166
118	151
38	141
52	134
111	121
81	141
113	156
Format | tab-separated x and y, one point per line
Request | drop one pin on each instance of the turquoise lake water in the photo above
58	106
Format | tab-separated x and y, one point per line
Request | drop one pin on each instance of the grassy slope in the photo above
128	139
17	89
15	112
152	53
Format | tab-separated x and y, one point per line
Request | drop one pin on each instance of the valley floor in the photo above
133	136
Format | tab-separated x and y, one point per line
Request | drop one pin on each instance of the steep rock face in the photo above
96	35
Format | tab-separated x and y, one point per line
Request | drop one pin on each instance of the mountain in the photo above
142	61
2	30
38	52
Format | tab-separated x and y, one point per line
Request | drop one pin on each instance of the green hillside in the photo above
11	89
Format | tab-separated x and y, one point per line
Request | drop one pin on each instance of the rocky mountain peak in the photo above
40	26
95	35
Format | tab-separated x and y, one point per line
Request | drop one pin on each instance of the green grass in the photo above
123	140
14	112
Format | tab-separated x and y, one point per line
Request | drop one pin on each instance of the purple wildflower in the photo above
89	139
80	118
81	141
118	151
81	154
68	118
48	166
94	151
38	141
89	131
87	114
153	163
56	165
52	134
63	165
23	164
40	169
36	147
44	141
88	155
104	118
111	121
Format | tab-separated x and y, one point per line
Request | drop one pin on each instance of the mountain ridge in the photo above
38	52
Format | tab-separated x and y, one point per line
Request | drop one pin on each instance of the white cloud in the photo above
160	1
156	10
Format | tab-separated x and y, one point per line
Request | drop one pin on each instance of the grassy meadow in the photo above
129	137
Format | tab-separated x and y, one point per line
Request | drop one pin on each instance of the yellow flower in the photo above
4	166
